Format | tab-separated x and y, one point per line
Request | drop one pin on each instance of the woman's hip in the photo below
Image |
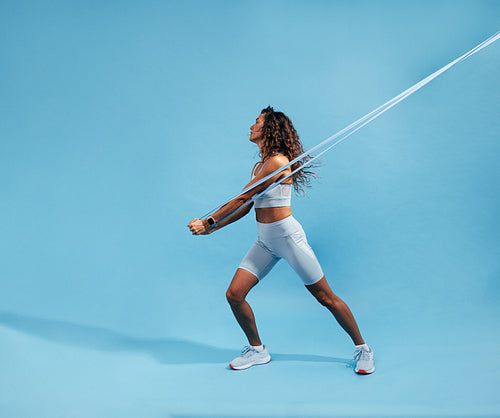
279	229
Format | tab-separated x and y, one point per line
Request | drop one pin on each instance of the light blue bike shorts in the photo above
282	239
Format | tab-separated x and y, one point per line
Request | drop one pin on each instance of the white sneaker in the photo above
364	361
250	357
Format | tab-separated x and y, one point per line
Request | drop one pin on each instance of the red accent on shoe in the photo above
361	371
231	366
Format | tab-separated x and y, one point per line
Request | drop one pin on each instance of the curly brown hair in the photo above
280	137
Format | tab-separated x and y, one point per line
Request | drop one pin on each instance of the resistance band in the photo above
347	131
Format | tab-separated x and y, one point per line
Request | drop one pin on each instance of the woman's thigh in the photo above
297	252
259	260
321	290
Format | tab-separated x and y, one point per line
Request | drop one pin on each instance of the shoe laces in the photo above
362	355
247	351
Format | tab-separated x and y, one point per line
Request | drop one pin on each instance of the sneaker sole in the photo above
247	366
361	371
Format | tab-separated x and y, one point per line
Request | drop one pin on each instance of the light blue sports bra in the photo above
279	196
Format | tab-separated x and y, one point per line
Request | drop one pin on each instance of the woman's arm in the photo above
238	210
202	227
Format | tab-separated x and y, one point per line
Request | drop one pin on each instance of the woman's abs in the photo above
268	215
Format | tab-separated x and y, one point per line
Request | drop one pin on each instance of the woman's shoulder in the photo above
277	160
270	164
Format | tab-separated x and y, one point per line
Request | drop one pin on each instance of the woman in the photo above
280	236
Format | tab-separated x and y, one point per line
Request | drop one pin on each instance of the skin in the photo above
243	281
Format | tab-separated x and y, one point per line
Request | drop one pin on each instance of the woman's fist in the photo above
198	227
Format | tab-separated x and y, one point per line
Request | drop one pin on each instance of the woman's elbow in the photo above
248	208
245	203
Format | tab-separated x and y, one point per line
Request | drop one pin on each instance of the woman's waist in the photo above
270	215
278	228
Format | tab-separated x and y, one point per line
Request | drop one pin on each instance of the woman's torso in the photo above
273	214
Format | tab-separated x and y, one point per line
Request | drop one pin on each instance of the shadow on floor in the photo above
164	350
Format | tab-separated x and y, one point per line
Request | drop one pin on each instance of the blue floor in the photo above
122	121
71	370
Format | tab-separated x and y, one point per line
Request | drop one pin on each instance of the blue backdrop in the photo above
121	121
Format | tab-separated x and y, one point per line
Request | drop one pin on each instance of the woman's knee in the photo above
323	298
330	301
234	297
241	284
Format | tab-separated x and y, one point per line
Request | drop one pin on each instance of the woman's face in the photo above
256	129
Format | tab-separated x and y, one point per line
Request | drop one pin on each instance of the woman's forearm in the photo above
221	216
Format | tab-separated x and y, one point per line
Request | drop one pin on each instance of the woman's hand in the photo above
199	227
